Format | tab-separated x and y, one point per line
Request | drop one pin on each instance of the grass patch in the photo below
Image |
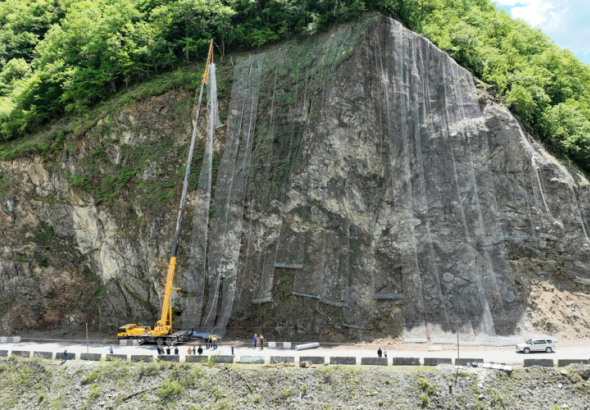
170	388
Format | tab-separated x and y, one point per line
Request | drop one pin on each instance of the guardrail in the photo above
314	360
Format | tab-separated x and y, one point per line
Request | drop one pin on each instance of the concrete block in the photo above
467	362
21	353
197	359
406	361
169	358
343	360
89	356
272	345
374	361
223	359
567	362
281	359
43	355
60	356
252	359
116	357
286	345
10	339
435	361
142	358
312	359
3	353
538	362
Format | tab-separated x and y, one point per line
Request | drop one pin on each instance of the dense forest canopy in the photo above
58	56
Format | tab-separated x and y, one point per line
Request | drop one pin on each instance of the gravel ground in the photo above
30	383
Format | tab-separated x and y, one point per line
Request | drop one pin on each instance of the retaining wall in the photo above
343	360
312	359
142	358
89	356
21	353
60	356
374	361
538	362
467	362
281	359
43	355
197	359
223	359
170	358
435	361
116	357
567	362
406	361
252	359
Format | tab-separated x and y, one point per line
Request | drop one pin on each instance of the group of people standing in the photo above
382	353
193	350
167	350
211	342
258	339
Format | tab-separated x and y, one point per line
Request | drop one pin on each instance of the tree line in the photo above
60	56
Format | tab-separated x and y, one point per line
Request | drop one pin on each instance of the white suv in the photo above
536	345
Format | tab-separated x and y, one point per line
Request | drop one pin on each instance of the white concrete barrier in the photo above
11	339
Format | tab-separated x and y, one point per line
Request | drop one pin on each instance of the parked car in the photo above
536	345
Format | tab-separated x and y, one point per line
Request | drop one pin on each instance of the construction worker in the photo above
261	342
65	355
231	60
111	349
255	340
176	351
200	350
232	349
221	61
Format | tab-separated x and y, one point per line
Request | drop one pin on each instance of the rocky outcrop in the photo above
361	187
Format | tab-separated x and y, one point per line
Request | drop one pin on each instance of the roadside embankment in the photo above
37	383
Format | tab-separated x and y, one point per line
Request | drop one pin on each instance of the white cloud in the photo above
535	13
567	22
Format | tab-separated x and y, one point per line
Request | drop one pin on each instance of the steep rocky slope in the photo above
361	189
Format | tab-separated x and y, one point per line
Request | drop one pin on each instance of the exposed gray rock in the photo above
361	190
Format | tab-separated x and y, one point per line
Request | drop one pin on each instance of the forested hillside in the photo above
63	56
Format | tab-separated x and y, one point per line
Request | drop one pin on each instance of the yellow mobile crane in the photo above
162	331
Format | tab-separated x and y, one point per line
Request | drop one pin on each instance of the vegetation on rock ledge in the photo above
60	56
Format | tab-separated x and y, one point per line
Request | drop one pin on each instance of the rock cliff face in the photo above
361	188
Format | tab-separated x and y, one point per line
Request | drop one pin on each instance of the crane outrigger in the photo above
162	331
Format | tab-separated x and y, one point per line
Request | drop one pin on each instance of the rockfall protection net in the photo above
364	189
230	190
195	285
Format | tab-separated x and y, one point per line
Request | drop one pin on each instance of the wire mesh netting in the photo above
356	164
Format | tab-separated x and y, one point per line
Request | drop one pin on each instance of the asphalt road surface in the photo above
507	355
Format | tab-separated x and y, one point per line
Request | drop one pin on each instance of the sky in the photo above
567	22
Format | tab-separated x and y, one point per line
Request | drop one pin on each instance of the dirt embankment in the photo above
28	384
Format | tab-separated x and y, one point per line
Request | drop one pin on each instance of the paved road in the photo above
490	354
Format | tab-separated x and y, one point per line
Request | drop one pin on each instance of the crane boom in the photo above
164	325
